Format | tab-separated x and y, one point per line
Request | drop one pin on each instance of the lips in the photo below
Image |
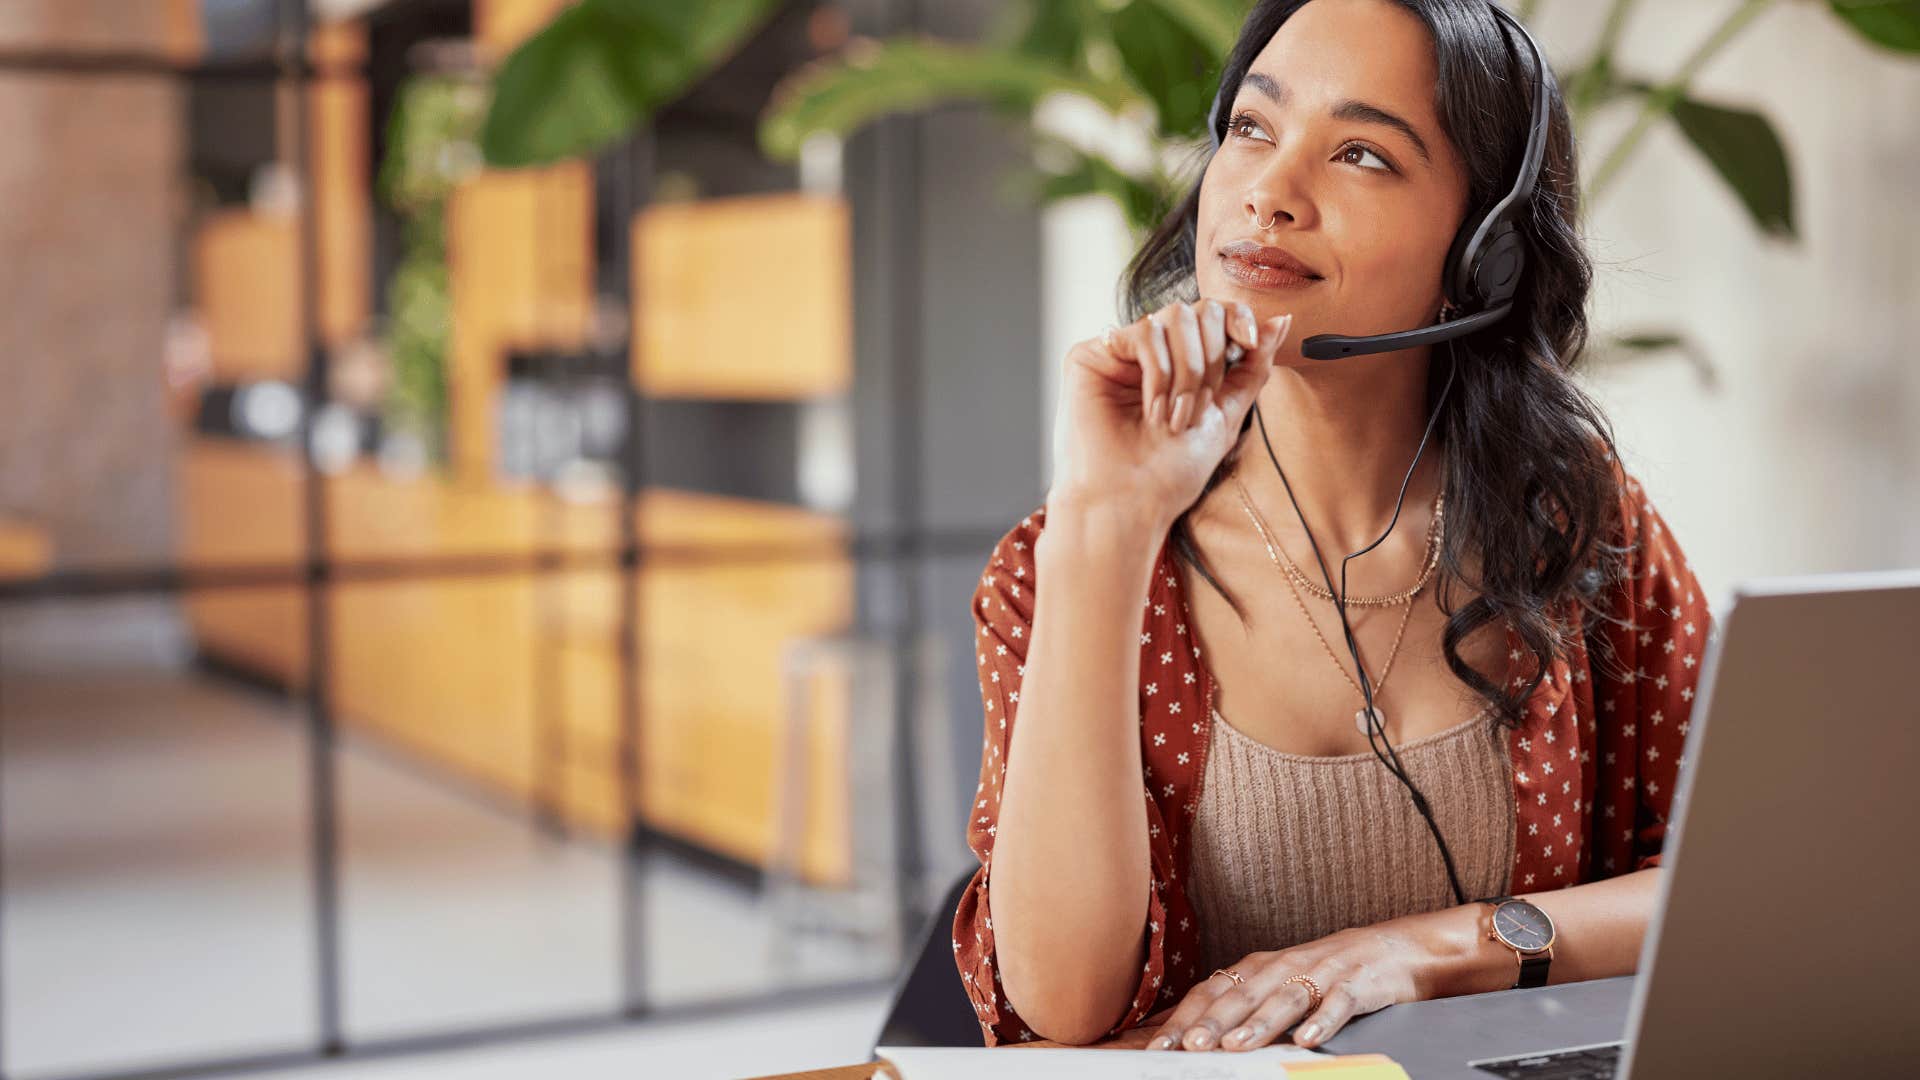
1270	258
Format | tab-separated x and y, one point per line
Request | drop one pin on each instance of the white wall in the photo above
1806	458
1084	248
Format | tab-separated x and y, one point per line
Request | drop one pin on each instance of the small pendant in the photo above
1360	720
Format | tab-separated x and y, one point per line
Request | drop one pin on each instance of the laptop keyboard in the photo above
1580	1063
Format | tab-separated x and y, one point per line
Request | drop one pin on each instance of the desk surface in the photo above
1130	1039
843	1072
1429	1038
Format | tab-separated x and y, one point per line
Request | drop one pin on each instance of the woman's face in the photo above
1336	144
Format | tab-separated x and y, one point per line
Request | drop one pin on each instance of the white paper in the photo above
1047	1063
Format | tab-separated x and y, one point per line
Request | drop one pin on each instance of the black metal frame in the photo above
905	548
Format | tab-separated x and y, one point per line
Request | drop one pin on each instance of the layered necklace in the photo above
1296	580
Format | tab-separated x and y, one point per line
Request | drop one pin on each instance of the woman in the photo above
1151	628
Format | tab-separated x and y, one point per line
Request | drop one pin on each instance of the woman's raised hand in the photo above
1147	411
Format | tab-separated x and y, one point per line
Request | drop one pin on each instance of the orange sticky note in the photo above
1350	1067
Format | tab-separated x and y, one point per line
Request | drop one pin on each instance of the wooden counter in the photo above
512	679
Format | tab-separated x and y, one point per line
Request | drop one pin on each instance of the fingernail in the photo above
1307	1034
1160	351
1247	323
1238	1035
1154	408
1203	1038
1182	404
1164	1042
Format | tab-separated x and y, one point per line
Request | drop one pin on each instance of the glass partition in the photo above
437	606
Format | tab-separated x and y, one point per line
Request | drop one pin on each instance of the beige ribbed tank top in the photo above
1288	848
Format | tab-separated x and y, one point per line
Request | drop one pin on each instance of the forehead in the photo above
1372	50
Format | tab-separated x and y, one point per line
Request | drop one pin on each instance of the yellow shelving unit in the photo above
450	668
747	298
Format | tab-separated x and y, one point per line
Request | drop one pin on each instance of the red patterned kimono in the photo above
1593	762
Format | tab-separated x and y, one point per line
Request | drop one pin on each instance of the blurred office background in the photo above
444	604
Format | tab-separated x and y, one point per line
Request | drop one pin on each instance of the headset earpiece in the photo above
1483	275
1497	265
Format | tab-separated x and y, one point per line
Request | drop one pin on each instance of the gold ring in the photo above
1313	988
1237	978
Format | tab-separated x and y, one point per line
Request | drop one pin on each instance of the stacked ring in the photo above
1231	974
1313	989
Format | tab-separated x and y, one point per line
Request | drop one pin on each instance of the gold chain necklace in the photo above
1431	560
1436	528
1360	715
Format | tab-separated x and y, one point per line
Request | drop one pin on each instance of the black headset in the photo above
1481	276
1483	266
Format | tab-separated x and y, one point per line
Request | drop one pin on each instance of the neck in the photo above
1345	433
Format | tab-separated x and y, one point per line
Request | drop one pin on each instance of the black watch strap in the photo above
1533	970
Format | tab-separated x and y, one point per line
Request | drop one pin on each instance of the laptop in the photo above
1785	940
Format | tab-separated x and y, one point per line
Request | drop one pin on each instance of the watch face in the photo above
1523	926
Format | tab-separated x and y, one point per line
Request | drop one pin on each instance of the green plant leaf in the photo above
1648	344
1175	69
576	85
1892	23
430	141
900	75
600	68
1647	340
712	29
1055	31
1214	23
1744	149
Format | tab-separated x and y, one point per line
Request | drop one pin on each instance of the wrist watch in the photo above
1528	931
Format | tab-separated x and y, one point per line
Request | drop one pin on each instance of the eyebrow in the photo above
1362	112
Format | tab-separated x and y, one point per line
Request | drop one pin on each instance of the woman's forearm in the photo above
1070	872
1598	930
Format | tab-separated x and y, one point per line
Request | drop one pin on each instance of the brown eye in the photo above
1360	148
1240	124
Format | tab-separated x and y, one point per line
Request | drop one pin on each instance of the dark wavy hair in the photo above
1530	467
